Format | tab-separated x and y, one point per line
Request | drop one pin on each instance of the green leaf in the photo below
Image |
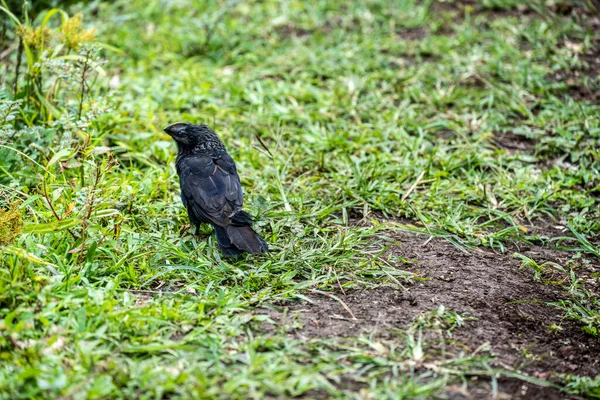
11	15
51	227
64	153
109	212
91	251
30	257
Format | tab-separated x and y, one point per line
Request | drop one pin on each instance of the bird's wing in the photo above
211	188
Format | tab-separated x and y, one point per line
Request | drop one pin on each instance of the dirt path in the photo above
510	307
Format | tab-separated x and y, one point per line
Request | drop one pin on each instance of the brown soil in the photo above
413	33
513	142
293	31
510	307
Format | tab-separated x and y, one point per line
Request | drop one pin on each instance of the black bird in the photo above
211	190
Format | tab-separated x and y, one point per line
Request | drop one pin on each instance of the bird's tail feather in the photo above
225	245
242	218
243	238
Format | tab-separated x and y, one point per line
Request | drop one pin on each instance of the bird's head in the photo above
191	136
179	132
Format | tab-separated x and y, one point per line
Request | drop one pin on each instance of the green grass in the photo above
333	111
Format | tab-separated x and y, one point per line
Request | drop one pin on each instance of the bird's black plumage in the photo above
211	190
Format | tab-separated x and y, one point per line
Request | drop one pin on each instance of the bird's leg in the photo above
199	235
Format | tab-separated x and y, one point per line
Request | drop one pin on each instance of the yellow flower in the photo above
73	33
33	37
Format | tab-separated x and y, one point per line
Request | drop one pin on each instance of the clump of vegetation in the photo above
58	65
579	303
11	223
73	33
34	38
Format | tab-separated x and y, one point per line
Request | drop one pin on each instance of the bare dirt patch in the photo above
510	307
513	142
412	33
289	30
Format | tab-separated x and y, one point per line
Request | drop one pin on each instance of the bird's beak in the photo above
175	128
